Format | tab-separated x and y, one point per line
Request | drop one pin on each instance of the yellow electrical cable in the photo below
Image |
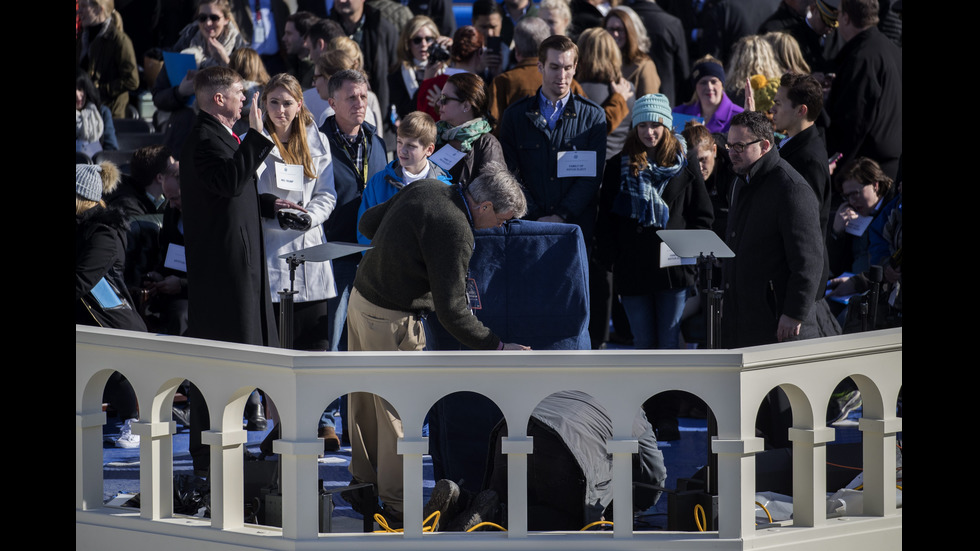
482	524
434	517
697	520
591	524
766	510
383	523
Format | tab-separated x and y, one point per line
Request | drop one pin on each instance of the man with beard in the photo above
774	230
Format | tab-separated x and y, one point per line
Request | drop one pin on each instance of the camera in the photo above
438	53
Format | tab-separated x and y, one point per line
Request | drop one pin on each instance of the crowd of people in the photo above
778	124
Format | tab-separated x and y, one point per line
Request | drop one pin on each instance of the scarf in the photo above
466	133
89	125
411	78
197	46
641	196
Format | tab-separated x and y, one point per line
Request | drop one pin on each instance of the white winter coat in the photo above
314	280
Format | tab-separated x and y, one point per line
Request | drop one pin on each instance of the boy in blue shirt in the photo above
416	142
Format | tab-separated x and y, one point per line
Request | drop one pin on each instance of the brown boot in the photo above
331	442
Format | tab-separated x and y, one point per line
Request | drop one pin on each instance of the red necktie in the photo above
237	139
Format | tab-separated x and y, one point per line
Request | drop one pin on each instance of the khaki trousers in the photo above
374	424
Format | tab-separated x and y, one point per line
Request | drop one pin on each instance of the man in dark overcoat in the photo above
774	230
229	300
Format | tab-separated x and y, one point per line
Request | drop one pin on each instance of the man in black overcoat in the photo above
229	300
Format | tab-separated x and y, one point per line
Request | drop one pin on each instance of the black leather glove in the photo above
290	219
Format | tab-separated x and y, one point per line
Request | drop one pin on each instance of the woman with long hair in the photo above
710	101
211	38
465	56
788	54
297	173
106	53
751	55
599	67
94	129
404	79
650	186
248	63
465	128
630	34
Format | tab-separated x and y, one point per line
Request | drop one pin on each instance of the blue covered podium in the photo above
533	280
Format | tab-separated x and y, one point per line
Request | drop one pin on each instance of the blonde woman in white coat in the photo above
297	173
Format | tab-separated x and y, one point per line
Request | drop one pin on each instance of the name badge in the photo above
289	177
175	258
473	294
576	163
447	157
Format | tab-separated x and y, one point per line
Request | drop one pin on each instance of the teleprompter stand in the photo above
707	248
316	253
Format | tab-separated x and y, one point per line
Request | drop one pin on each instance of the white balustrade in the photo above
732	382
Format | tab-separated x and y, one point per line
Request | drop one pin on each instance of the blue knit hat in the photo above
653	108
707	69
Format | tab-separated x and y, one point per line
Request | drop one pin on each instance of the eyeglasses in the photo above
739	147
204	17
848	195
418	40
444	99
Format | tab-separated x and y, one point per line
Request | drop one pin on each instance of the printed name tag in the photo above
576	163
447	157
289	177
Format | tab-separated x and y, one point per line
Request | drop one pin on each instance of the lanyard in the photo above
353	150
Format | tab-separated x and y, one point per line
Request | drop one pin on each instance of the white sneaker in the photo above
126	437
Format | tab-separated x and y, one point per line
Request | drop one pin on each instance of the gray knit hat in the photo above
88	181
653	108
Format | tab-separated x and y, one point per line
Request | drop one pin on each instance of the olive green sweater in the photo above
423	242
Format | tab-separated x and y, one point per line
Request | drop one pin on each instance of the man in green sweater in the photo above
423	241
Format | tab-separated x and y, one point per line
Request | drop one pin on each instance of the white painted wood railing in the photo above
732	382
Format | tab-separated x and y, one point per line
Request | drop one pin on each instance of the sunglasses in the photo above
418	40
444	99
204	17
